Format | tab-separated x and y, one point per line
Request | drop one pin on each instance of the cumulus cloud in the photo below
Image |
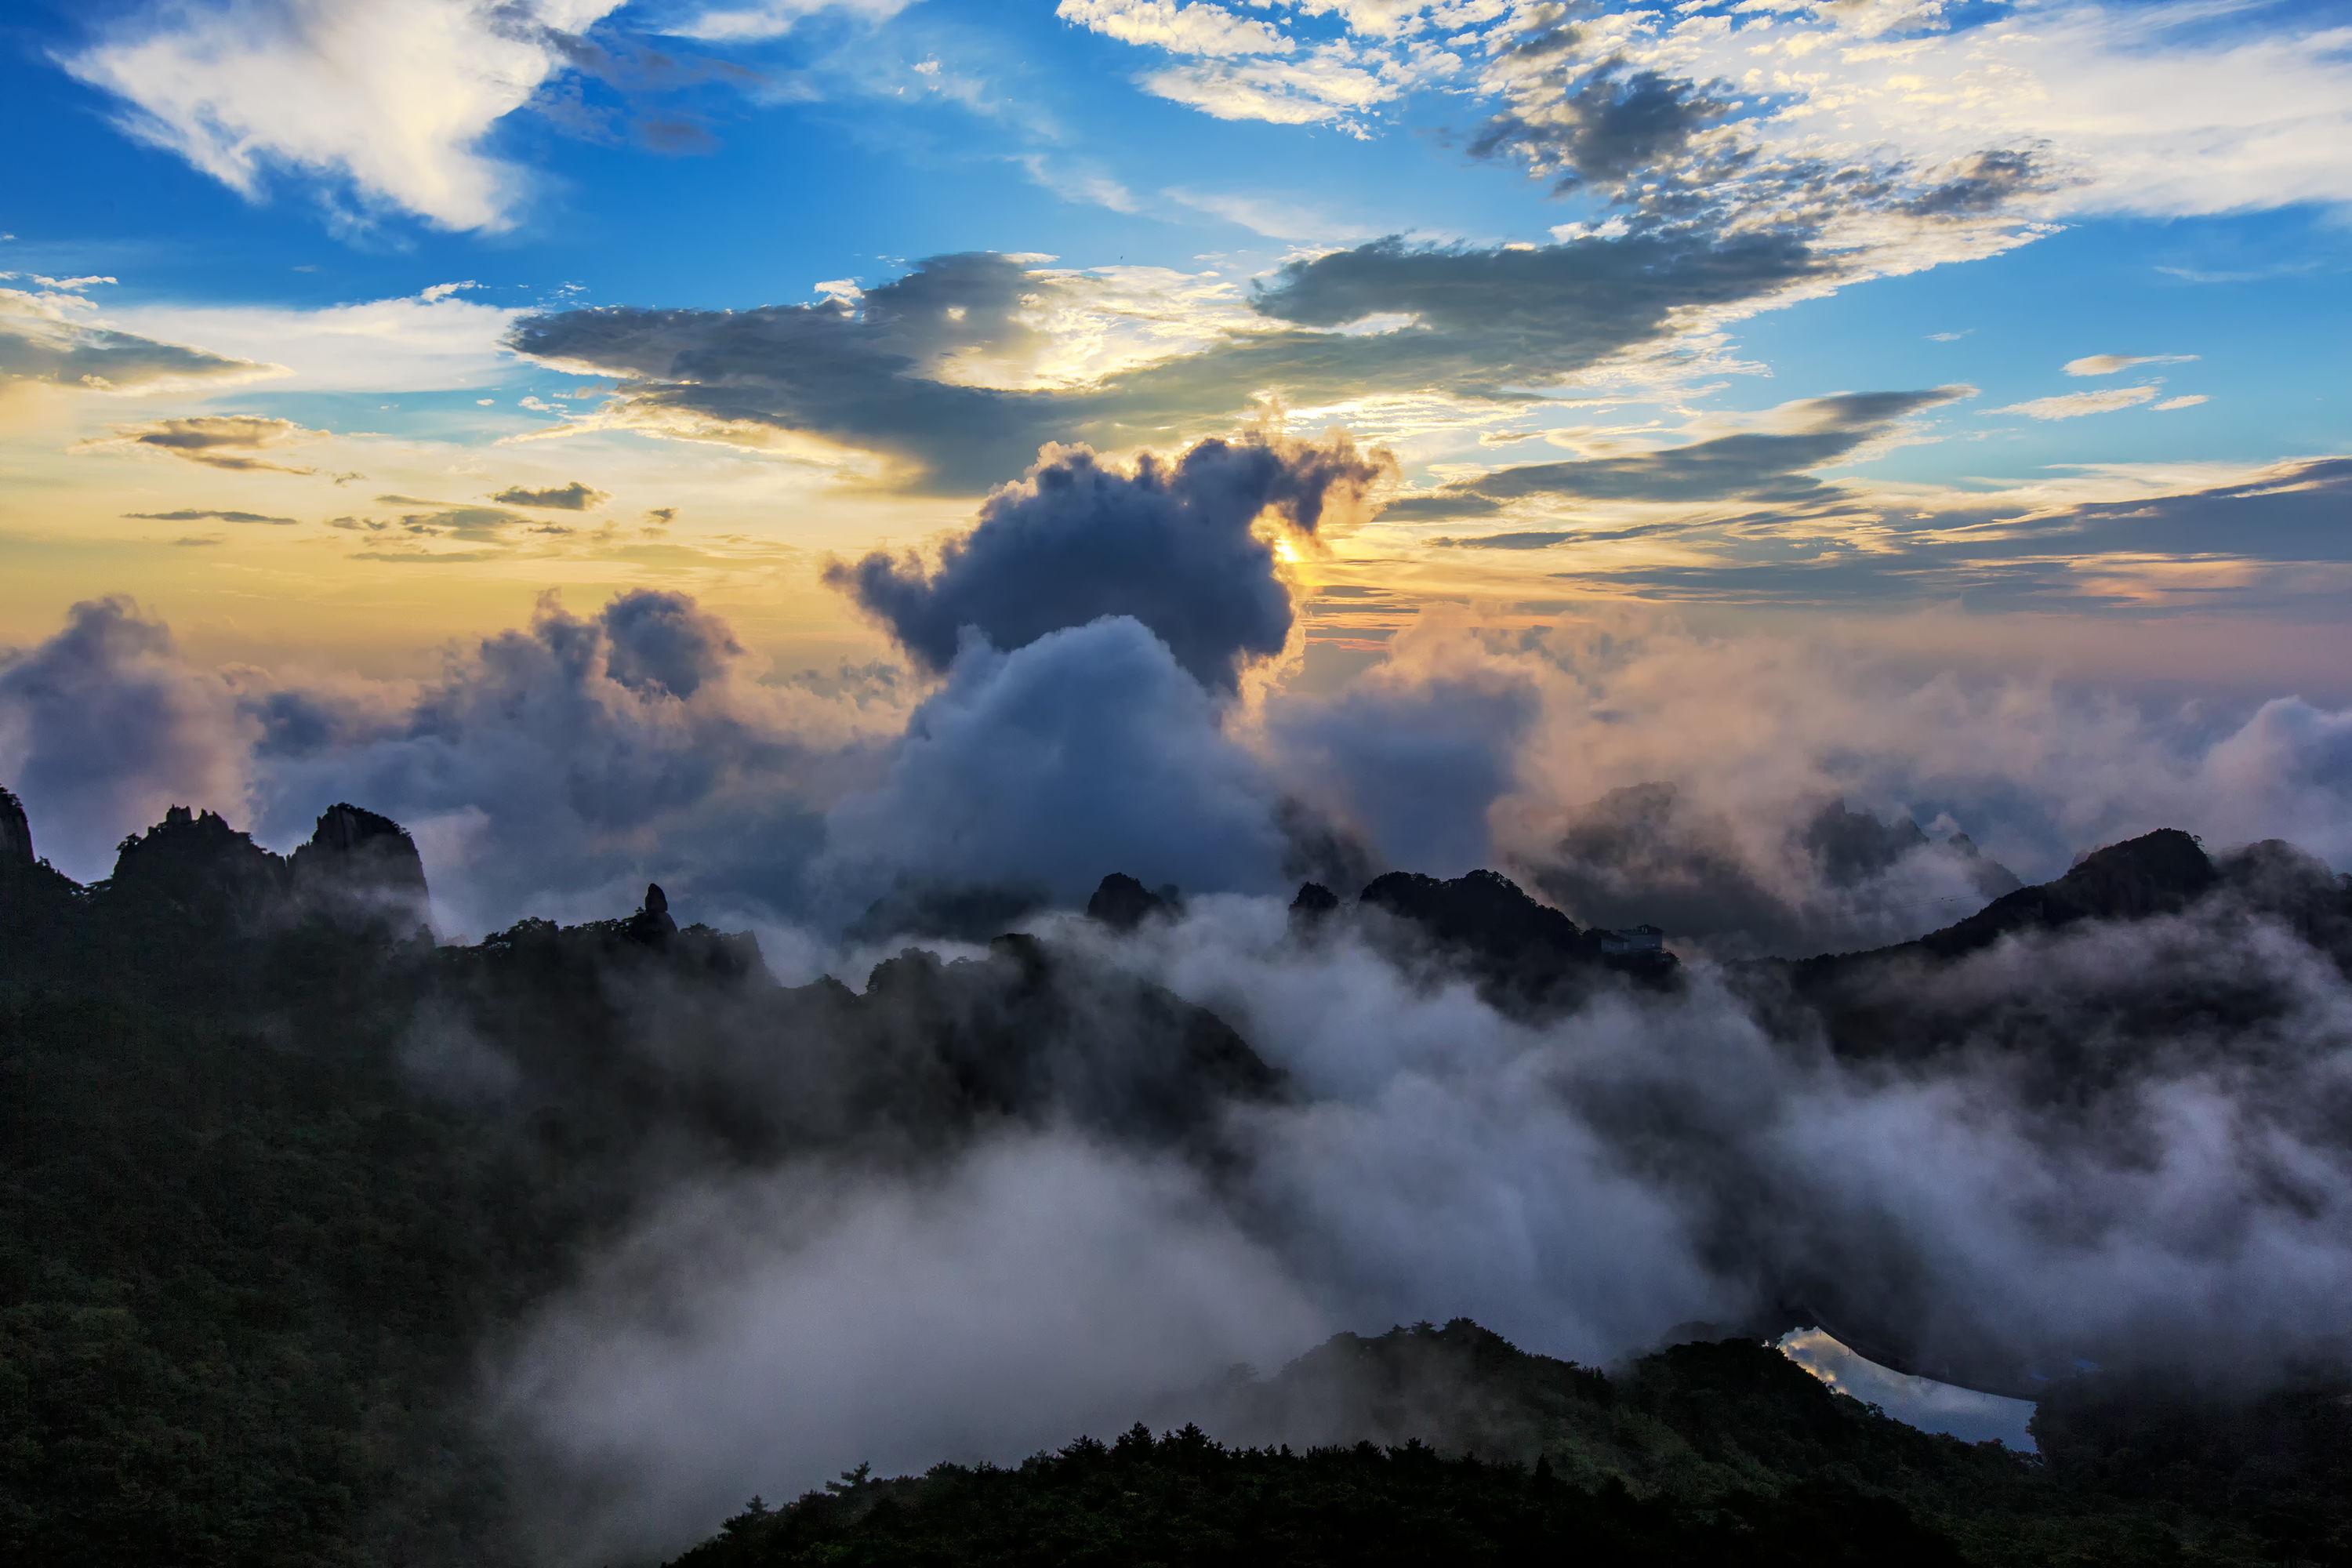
232	441
1174	545
105	724
1324	88
580	753
1086	749
391	98
1190	27
572	497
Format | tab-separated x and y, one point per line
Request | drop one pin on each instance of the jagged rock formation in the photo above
1525	956
2160	873
195	863
15	835
359	865
1123	903
652	924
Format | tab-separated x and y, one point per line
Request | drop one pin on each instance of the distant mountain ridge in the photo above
279	1160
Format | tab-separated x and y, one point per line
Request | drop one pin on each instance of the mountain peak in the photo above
359	858
15	833
1123	903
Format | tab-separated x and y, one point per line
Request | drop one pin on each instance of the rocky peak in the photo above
197	861
357	861
1123	903
16	834
652	923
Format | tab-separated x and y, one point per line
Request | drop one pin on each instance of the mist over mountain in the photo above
642	1229
827	1069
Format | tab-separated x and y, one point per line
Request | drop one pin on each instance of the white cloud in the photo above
774	18
51	340
1276	217
2108	365
1184	30
426	342
2138	108
1088	186
396	97
2171	404
2076	405
1317	90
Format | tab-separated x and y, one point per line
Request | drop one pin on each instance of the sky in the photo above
820	453
1990	340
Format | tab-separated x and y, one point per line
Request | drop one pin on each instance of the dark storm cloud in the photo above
666	642
197	515
1762	466
865	375
869	375
1608	124
573	497
1171	546
1506	314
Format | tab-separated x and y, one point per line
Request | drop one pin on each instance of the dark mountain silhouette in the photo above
1429	1446
1910	999
1122	903
278	1165
1525	956
1646	852
15	836
360	866
1311	906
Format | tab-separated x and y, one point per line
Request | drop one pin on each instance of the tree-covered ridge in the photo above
1706	1452
274	1166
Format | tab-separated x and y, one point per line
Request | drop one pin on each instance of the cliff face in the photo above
359	865
15	835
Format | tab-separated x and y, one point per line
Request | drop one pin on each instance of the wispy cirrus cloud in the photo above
2111	364
2081	405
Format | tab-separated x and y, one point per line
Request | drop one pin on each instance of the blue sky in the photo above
350	209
